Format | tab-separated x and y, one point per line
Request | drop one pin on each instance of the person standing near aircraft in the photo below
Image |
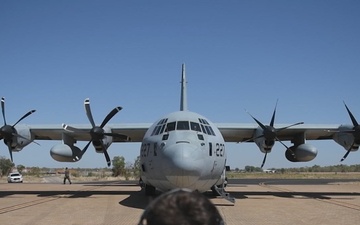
67	175
183	207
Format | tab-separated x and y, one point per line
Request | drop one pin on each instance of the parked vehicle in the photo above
15	178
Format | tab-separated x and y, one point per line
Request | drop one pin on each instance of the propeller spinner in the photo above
270	132
97	133
8	132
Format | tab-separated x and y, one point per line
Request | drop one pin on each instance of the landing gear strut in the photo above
219	190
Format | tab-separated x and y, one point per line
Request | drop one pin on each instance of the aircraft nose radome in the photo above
182	164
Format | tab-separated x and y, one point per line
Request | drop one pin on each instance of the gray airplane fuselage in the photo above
183	150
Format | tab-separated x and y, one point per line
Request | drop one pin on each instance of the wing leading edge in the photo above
55	132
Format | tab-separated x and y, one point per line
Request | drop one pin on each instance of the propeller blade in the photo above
110	115
72	129
346	154
3	109
120	136
353	120
281	142
106	154
253	138
270	133
263	162
291	151
354	131
18	135
283	128
97	133
273	116
88	111
77	158
10	151
258	122
346	131
24	116
8	132
107	157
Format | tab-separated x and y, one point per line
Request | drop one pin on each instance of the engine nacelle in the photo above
302	153
18	143
264	145
64	153
346	139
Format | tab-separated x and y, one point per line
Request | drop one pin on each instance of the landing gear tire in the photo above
149	190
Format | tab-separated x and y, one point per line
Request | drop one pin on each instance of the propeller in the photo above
270	132
355	131
97	133
8	132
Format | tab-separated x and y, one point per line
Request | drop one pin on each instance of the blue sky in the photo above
238	54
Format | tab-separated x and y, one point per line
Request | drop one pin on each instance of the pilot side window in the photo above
159	129
195	126
208	130
211	131
162	128
205	127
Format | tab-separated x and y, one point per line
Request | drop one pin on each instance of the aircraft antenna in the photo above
183	99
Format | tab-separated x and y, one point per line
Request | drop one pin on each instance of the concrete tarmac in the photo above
119	202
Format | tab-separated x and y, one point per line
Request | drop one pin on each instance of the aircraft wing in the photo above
237	132
232	132
135	132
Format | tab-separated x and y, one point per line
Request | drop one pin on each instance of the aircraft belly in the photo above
201	185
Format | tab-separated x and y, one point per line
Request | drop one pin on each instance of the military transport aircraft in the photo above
182	149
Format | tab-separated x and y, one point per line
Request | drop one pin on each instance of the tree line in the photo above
315	168
132	170
119	168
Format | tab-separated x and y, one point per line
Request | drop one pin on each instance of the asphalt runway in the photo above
258	201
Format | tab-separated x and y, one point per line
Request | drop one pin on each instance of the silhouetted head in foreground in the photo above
181	207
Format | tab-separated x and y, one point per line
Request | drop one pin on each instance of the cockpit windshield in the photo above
201	126
182	125
170	126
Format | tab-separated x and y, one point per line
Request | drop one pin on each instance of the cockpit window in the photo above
170	126
162	121
203	121
156	130
162	128
182	125
211	130
159	129
205	127
195	126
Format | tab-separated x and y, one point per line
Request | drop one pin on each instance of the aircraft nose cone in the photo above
183	163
